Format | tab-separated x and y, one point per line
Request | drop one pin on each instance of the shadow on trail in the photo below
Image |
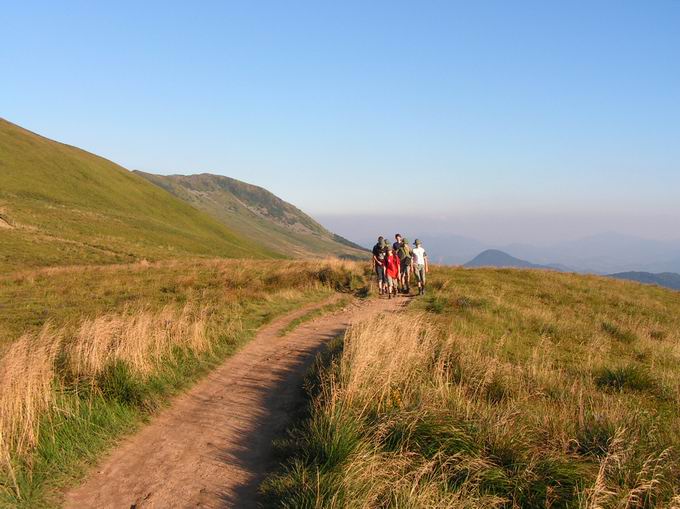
277	405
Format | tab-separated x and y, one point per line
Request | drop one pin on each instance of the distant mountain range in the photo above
667	279
500	259
606	253
603	253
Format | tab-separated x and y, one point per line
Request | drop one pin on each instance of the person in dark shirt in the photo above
398	241
379	255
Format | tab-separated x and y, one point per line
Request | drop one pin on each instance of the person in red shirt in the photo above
392	271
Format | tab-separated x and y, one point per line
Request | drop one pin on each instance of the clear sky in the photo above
430	109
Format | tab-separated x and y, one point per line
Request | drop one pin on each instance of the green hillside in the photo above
258	214
62	205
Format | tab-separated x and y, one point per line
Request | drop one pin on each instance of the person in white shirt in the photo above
420	266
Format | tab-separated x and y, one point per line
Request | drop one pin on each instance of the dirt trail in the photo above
212	447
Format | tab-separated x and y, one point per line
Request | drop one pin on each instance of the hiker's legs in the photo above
420	276
380	273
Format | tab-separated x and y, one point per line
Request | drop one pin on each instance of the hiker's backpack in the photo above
404	254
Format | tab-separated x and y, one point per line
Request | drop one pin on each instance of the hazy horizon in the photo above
591	248
502	230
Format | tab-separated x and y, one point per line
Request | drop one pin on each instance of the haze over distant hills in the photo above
496	258
604	254
599	253
607	253
500	259
667	279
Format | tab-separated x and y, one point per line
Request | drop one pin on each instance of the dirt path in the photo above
212	447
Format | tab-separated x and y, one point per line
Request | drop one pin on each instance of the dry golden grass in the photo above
34	368
140	339
144	317
500	389
27	372
64	295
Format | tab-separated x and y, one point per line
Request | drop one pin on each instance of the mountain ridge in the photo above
257	212
666	279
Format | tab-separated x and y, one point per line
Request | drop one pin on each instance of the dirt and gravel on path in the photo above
213	446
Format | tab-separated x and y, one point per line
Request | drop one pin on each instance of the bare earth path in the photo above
212	447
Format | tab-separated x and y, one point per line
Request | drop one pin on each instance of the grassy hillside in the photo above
255	212
88	353
62	205
501	388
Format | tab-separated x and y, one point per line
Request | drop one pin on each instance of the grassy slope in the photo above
501	388
69	206
257	213
58	413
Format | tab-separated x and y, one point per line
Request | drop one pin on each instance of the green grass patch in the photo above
631	377
625	336
314	313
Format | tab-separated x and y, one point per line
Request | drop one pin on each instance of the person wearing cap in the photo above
379	255
392	271
405	259
421	266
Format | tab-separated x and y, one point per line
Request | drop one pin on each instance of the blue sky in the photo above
422	109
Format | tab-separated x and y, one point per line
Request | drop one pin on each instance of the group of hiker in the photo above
395	264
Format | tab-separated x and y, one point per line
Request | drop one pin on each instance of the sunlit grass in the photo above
501	388
120	341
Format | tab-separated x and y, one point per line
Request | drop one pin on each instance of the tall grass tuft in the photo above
139	339
27	377
36	368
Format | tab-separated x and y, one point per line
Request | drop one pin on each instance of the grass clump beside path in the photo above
501	388
315	313
115	343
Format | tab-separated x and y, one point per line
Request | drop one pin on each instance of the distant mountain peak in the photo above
501	259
